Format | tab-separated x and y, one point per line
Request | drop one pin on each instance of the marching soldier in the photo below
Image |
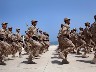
19	42
93	32
2	43
41	37
66	42
88	36
73	38
46	40
80	41
35	41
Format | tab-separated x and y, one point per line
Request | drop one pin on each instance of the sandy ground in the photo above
49	62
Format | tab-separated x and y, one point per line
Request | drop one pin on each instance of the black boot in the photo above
64	61
2	63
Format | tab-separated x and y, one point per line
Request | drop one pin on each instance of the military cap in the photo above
66	19
87	24
9	27
81	28
44	32
33	21
74	29
4	23
40	30
47	34
17	29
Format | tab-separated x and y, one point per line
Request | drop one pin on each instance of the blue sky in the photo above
49	13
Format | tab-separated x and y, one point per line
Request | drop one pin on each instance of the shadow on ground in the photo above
56	62
86	61
26	62
37	58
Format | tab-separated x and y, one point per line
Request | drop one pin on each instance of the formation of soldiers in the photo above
82	42
35	42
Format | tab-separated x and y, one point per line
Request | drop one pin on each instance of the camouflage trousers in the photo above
67	46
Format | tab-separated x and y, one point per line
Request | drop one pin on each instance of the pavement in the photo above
49	62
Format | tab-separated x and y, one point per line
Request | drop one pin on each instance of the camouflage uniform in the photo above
66	42
88	37
73	37
34	40
93	32
27	43
41	38
9	40
19	41
3	44
46	40
80	41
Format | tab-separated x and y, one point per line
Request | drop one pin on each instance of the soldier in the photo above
27	44
19	42
66	42
9	39
2	42
73	38
88	36
41	36
80	41
93	32
35	41
46	41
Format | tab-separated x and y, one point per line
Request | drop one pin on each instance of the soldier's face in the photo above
87	26
40	32
4	26
18	31
74	31
34	24
10	29
68	21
